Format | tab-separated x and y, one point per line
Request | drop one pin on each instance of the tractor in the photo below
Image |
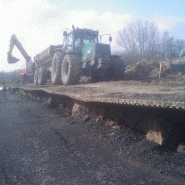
81	54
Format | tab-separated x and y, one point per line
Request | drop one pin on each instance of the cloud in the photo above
169	22
37	24
105	23
30	21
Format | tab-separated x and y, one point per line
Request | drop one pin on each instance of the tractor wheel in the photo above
56	68
117	69
36	77
23	80
71	69
103	76
95	77
42	76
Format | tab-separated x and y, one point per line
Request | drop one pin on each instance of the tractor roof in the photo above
86	31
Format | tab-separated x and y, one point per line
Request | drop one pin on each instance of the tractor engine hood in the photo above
93	51
96	53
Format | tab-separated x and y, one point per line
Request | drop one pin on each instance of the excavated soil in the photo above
156	109
150	69
122	92
122	140
125	142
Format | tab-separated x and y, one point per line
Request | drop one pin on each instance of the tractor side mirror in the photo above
110	39
65	33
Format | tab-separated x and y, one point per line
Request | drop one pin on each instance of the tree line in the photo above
9	77
143	41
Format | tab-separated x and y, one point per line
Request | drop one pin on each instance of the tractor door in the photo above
69	42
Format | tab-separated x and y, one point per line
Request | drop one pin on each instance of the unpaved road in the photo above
38	146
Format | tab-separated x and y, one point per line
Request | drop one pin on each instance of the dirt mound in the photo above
143	70
179	61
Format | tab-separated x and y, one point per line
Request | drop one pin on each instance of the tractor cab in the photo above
85	42
78	38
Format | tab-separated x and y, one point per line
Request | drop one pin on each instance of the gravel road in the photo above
39	146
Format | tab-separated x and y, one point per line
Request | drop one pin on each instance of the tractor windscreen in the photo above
84	36
85	40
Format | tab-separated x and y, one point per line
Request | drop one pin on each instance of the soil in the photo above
151	69
41	145
155	92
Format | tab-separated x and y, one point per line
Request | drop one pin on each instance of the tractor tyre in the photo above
56	68
71	69
23	80
36	77
42	76
95	77
117	69
103	76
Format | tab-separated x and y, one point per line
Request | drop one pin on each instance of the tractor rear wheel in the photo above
42	76
71	69
117	69
103	76
56	68
23	80
36	77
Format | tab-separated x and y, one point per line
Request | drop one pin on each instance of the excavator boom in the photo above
14	41
27	73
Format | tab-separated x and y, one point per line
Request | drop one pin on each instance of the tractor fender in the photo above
59	49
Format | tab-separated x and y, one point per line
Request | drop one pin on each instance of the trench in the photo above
163	126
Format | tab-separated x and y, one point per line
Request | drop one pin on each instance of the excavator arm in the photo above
27	73
10	58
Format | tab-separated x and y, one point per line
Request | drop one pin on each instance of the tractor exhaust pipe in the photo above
11	59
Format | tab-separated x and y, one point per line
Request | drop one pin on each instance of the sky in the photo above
40	23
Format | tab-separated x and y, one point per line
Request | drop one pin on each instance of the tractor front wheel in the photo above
36	77
23	80
56	68
117	69
42	76
71	69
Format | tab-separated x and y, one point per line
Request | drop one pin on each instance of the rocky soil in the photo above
134	145
166	165
129	143
46	143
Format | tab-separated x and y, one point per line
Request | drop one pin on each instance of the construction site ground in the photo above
122	92
40	144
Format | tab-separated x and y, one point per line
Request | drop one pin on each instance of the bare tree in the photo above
179	46
152	41
142	40
127	39
171	47
139	39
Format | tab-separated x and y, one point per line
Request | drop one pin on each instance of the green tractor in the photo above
80	55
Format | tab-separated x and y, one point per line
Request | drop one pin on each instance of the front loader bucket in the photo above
11	59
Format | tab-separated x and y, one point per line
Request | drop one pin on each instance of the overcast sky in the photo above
40	23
